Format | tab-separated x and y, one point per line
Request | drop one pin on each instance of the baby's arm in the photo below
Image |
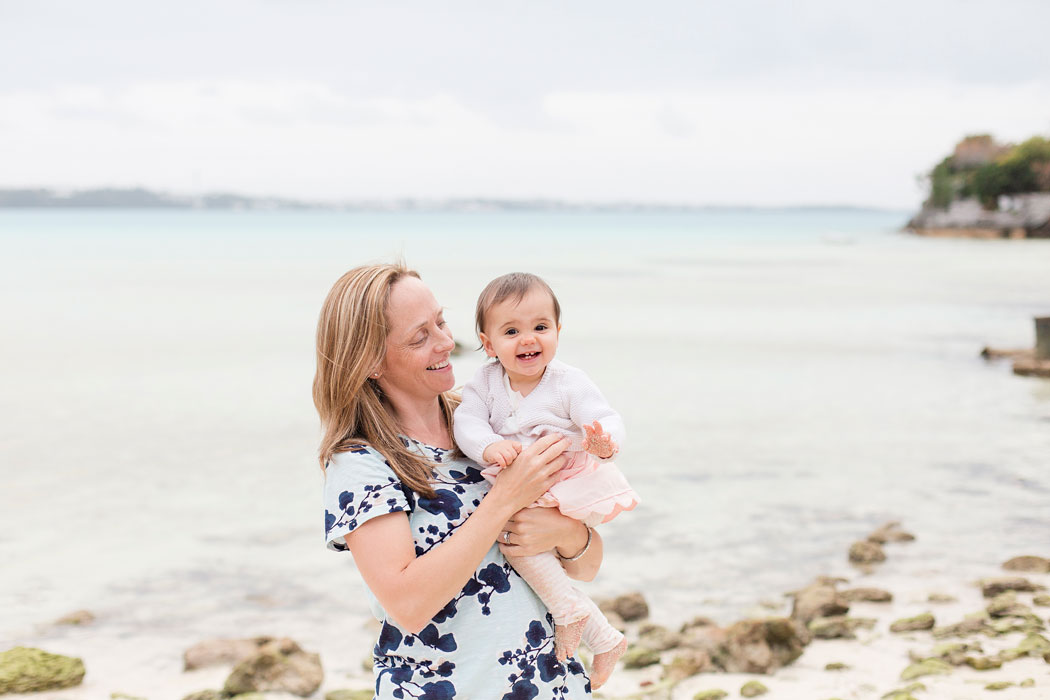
501	453
471	425
603	427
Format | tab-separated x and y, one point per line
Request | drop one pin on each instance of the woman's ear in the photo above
486	344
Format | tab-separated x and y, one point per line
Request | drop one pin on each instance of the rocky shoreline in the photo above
1026	216
876	635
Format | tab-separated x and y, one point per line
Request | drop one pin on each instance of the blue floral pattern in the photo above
494	639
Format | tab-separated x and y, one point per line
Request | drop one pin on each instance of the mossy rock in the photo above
904	693
918	623
1034	645
928	667
712	694
640	657
1027	683
28	670
125	696
941	598
984	663
349	695
999	685
752	689
206	695
1042	600
836	666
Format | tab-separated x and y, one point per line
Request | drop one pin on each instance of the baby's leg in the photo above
606	643
566	604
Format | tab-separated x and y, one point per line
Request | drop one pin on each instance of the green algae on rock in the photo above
839	626
991	587
983	663
349	695
1027	683
640	657
999	685
29	670
918	623
206	695
836	666
904	693
712	694
687	662
927	667
752	689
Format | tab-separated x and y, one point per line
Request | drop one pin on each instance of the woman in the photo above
421	522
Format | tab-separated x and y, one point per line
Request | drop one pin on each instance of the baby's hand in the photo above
501	453
598	442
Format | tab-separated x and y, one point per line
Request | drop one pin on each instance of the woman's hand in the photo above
532	473
536	530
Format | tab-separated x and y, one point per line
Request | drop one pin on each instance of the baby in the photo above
522	396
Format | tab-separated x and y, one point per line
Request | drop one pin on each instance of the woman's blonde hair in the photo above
351	343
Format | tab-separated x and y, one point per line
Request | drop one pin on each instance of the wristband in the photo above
590	535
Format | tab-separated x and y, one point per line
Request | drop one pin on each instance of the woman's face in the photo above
418	344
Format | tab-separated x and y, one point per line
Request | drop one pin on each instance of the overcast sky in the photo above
763	103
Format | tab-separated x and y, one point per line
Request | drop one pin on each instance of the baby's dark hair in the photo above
514	285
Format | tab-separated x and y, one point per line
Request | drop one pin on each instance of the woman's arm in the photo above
413	589
535	530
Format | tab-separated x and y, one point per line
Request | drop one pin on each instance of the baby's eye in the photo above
541	327
512	331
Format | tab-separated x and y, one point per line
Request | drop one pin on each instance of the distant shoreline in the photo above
139	198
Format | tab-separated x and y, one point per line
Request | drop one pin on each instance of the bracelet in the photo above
590	536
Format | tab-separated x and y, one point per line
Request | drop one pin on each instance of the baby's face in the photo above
523	335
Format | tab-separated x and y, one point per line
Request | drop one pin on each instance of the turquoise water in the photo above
790	379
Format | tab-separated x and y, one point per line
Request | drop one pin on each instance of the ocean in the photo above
789	379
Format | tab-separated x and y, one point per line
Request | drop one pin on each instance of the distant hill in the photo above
140	198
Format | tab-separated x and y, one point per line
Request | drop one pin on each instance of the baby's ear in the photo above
486	344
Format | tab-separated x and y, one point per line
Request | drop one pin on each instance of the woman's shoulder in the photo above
359	459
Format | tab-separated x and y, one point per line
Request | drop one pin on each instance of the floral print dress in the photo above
495	638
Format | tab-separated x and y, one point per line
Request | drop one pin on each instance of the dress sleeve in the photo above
470	423
586	404
359	485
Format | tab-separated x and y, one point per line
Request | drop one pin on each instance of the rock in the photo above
630	606
697	622
215	652
983	663
1006	605
924	621
1034	645
1042	600
658	637
869	595
713	694
999	685
1031	564
836	666
124	696
1046	657
29	670
615	621
688	662
977	624
1026	624
77	617
955	653
900	693
752	689
295	671
865	552
349	695
206	695
761	646
890	532
818	600
368	663
941	598
928	667
992	587
1027	683
640	657
839	626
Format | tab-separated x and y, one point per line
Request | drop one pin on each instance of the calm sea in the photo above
790	379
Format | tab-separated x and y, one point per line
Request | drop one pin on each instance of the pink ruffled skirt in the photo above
588	490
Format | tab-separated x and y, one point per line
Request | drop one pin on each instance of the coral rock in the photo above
890	532
762	646
927	667
688	662
297	672
752	689
869	595
924	621
28	670
630	606
818	600
640	657
865	552
992	587
1031	564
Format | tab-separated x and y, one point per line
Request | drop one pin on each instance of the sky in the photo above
707	103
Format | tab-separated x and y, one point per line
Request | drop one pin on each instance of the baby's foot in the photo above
567	638
604	663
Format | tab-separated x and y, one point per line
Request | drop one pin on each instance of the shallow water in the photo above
789	381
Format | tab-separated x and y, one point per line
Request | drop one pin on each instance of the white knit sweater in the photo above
563	402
